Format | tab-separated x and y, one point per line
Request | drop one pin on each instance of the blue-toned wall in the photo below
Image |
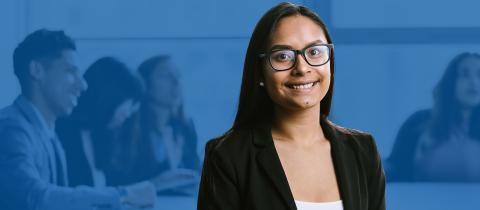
389	57
206	39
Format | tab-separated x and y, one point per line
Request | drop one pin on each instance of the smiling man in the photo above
32	161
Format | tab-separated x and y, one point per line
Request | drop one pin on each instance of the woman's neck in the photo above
299	127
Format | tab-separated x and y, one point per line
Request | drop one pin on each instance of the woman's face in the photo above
303	86
468	82
123	112
163	85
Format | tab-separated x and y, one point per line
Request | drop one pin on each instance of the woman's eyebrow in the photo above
283	46
318	41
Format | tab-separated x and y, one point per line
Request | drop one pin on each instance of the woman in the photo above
91	134
168	137
443	143
282	152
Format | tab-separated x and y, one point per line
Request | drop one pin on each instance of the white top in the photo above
334	205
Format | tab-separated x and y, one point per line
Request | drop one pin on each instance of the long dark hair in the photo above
138	160
110	82
146	70
254	104
447	108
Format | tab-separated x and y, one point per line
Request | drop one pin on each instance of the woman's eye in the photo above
314	52
282	56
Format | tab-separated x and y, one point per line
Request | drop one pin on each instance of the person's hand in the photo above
140	195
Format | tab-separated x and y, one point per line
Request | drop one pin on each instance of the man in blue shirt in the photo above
32	161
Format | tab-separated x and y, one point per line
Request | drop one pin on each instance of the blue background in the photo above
389	56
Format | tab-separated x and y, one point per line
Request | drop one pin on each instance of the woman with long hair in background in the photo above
443	143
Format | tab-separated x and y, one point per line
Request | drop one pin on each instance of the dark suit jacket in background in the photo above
400	165
243	171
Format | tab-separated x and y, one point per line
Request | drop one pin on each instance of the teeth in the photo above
304	86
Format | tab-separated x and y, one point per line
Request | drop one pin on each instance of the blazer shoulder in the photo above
350	132
16	138
363	145
360	141
11	117
232	142
12	122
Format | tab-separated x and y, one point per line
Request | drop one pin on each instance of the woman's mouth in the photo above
301	86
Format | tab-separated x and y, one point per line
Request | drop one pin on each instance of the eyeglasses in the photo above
285	59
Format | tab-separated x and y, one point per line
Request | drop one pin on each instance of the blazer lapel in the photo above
269	161
344	162
29	114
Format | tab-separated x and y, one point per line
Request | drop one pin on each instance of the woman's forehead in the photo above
297	31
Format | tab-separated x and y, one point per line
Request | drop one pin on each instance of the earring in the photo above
261	84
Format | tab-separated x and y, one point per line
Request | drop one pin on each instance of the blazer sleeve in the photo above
376	179
22	187
218	190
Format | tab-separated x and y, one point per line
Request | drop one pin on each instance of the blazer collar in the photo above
269	160
33	115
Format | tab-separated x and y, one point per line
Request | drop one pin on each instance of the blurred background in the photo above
390	57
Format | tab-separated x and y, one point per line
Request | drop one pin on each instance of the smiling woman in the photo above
282	152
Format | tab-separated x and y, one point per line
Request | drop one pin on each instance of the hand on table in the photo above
140	195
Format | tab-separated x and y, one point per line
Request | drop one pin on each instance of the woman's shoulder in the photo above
230	150
359	141
231	142
419	117
338	130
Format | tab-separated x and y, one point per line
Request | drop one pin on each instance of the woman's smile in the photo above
306	86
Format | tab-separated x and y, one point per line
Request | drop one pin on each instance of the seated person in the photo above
160	142
32	160
91	134
443	143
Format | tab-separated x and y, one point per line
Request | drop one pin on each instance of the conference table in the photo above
399	196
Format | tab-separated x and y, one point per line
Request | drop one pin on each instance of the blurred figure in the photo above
443	143
90	135
163	148
33	169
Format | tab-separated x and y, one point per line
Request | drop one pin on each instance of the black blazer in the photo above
242	170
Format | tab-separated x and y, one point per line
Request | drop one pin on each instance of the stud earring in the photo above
262	84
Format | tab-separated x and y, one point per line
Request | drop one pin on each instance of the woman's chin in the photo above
302	104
